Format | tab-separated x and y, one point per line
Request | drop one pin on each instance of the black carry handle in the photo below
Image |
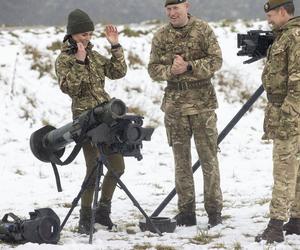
12	215
221	136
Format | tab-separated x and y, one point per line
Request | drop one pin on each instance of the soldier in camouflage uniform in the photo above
81	73
281	80
186	54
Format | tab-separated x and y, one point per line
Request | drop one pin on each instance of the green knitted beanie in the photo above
79	22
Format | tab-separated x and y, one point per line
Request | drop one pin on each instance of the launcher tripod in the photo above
101	162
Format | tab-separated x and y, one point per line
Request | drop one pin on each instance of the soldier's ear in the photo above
281	11
187	4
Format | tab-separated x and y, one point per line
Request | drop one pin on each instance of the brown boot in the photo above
214	219
85	220
292	227
102	215
272	233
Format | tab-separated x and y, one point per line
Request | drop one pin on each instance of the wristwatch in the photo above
189	67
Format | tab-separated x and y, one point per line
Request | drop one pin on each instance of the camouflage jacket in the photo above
197	44
84	83
281	80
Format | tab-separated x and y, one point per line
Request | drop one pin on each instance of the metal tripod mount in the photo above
102	161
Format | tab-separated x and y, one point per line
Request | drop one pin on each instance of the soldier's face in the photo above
83	38
177	14
276	18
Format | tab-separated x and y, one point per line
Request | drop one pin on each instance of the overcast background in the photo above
54	12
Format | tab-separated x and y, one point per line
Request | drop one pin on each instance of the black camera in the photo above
254	44
42	227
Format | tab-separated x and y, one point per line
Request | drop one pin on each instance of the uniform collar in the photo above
294	21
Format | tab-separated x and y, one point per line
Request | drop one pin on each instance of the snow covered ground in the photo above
31	98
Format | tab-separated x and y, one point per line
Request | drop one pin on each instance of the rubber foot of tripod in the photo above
164	224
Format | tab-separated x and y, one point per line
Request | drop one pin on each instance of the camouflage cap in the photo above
169	2
273	4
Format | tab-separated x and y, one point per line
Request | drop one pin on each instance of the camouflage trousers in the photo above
285	201
180	130
115	161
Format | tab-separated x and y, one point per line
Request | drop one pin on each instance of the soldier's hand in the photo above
179	66
111	34
81	52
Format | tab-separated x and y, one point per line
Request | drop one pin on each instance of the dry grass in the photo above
142	247
133	33
41	63
136	111
56	45
134	60
204	237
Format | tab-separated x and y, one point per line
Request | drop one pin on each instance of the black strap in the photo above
57	178
54	159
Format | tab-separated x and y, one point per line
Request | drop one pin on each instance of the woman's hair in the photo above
67	37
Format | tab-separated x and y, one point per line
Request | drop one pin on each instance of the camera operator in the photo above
81	73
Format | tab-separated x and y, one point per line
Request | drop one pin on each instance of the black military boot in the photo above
85	220
292	226
214	219
186	219
272	233
102	216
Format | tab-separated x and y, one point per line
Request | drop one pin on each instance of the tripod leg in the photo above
77	198
135	203
99	173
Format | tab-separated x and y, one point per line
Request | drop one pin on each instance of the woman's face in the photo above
83	38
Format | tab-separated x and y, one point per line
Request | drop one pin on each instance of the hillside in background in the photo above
54	12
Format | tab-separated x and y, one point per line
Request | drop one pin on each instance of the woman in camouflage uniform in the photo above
81	73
